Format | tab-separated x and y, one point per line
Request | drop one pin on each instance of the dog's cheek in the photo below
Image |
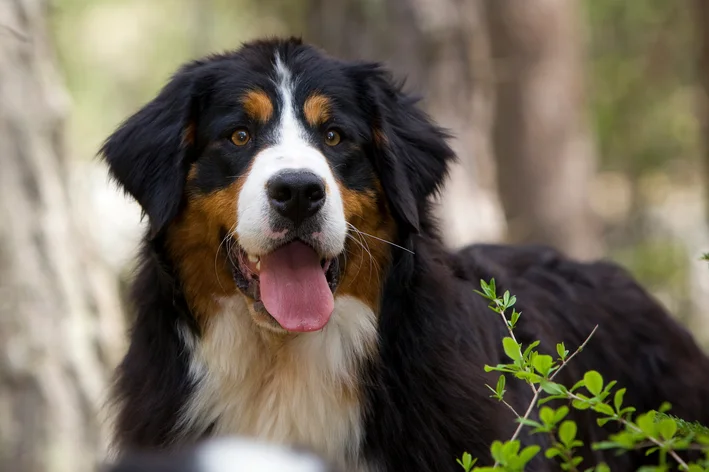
368	252
197	246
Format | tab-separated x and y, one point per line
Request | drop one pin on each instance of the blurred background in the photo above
582	124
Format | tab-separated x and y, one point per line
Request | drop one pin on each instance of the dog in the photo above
293	284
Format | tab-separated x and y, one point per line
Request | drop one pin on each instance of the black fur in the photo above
426	400
151	381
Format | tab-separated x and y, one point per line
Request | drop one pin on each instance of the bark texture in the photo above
60	323
542	142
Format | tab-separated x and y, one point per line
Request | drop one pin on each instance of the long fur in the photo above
416	382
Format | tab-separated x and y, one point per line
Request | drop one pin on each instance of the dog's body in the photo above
294	288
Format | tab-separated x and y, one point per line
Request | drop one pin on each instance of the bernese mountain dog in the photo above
293	284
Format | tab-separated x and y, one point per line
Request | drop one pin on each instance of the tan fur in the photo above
258	105
197	250
316	109
367	257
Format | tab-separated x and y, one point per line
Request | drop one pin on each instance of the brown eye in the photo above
240	137
332	138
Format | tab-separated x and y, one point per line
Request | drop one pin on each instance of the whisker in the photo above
226	238
383	240
372	260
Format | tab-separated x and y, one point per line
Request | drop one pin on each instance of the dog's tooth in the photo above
253	259
258	266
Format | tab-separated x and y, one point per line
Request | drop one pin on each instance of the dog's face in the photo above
283	174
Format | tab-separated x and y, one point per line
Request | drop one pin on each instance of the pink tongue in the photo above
294	289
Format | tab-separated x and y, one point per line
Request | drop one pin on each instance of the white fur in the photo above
302	389
291	151
231	454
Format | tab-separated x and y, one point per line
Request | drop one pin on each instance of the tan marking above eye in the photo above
240	137
258	105
316	109
332	137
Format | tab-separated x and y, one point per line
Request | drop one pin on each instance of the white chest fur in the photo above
302	390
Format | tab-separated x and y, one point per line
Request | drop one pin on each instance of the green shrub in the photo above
656	431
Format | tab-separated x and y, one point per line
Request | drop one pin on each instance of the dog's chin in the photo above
262	318
246	272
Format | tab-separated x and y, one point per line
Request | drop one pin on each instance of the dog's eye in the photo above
332	137
240	137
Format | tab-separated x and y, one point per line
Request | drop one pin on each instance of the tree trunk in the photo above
542	143
59	312
702	28
441	48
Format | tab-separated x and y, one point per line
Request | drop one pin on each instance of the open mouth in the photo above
293	284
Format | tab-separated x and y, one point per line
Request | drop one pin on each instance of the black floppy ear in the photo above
149	153
411	151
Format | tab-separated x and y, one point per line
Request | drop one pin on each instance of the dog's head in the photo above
282	172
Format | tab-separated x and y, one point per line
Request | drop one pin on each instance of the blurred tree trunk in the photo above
542	142
440	46
58	306
702	29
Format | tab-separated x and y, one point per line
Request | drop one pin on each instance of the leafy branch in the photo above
655	430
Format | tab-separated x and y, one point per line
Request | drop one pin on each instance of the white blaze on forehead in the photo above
291	150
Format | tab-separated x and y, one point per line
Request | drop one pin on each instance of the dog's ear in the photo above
149	154
411	152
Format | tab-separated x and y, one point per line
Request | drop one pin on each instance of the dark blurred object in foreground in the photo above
224	455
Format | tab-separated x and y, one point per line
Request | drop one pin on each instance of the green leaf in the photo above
528	422
496	450
667	428
593	381
514	318
618	399
602	467
510	449
603	408
603	445
561	350
552	452
577	385
546	414
506	298
552	388
646	423
511	301
543	364
550	398
511	348
500	386
468	462
527	351
603	421
528	454
581	404
560	414
567	432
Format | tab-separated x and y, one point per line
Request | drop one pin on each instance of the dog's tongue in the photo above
294	289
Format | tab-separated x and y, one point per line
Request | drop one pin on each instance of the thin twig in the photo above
538	391
511	408
579	349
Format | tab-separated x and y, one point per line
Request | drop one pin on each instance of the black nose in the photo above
296	195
